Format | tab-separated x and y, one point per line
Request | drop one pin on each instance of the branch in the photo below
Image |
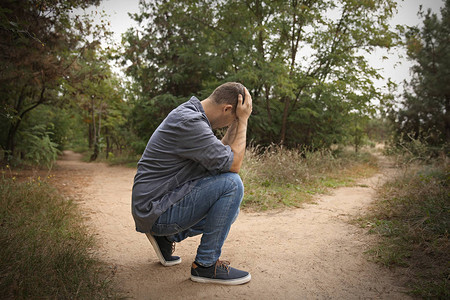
39	102
20	100
75	59
324	71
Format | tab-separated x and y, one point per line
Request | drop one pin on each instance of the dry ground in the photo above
307	253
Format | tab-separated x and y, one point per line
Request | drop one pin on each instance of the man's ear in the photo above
227	107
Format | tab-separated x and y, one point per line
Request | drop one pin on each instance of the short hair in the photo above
227	93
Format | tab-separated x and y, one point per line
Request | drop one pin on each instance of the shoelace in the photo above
222	264
173	248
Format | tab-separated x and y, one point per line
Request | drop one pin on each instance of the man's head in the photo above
220	106
227	93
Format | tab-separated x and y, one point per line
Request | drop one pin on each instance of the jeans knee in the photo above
237	185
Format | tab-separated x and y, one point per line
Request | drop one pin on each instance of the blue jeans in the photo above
209	209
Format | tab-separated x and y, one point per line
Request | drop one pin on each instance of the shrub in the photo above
277	176
36	146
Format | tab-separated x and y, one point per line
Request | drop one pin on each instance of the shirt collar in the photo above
198	105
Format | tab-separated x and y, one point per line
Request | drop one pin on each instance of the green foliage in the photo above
358	136
409	150
424	113
37	147
97	100
412	215
45	253
378	129
147	115
56	80
305	69
36	58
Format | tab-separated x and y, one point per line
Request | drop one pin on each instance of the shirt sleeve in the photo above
197	142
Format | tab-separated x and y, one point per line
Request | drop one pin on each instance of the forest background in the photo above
304	62
66	84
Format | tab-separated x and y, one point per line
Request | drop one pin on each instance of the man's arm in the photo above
230	135
238	144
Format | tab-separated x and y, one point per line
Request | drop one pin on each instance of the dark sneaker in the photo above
164	250
220	273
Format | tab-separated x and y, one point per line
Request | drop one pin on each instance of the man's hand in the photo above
237	144
230	135
243	111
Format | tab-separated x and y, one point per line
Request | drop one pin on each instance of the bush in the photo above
409	149
36	146
276	176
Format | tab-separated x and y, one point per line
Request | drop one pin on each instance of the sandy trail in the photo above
308	253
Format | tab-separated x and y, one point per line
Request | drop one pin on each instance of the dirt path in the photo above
309	253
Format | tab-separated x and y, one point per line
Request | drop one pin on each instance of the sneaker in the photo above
220	273
164	250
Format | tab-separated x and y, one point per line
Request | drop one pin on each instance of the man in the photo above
187	183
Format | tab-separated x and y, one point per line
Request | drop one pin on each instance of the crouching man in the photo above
187	181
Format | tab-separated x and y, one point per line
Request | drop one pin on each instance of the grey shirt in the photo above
182	149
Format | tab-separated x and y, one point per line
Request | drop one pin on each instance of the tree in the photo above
166	60
99	99
303	60
36	56
424	113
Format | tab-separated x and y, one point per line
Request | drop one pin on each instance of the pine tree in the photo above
425	110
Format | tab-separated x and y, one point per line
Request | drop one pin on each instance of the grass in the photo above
45	252
126	159
276	177
412	218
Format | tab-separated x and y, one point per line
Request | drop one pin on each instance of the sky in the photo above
395	67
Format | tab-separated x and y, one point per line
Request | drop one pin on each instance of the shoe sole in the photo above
162	260
236	281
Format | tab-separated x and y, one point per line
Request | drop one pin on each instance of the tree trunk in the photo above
284	121
269	113
94	130
11	138
11	141
447	118
91	136
95	154
108	144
